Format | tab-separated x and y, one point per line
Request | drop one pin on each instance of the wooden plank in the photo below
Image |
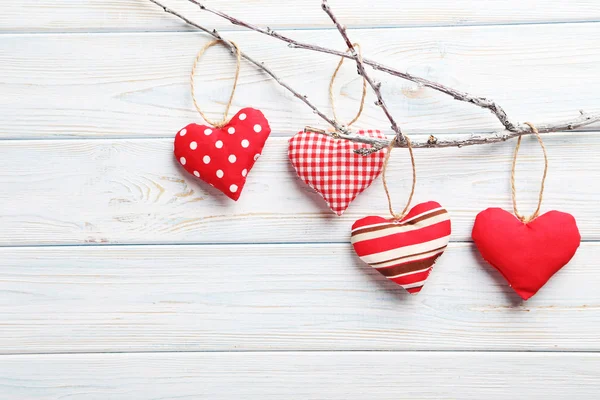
141	15
133	191
280	297
50	90
320	375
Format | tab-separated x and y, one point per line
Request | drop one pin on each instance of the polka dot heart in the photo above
223	157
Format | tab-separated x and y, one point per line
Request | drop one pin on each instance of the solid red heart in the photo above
332	168
404	251
527	255
223	156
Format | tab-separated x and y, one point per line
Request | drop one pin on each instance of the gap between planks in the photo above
298	28
300	351
98	15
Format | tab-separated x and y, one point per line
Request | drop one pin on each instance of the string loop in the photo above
364	90
536	213
224	120
414	177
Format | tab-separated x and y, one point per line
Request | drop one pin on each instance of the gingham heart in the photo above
332	168
223	157
404	251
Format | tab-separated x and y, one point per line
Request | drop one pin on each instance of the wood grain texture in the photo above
92	93
140	15
133	191
320	375
94	85
280	297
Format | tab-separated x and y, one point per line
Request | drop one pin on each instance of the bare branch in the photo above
259	64
456	94
361	71
501	136
482	102
489	138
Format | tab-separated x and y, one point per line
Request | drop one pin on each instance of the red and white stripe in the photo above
404	251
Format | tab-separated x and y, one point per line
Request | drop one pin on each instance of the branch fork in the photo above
511	129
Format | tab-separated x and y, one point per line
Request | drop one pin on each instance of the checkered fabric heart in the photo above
332	168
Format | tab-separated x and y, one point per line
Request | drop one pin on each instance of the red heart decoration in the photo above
527	255
332	168
223	156
404	251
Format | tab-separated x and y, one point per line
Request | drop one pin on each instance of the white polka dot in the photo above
207	132
193	145
256	157
244	172
206	159
220	173
232	158
233	188
242	116
183	132
231	130
197	174
245	143
182	160
257	128
219	144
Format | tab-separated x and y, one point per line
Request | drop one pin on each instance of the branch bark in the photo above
514	129
488	138
261	65
482	102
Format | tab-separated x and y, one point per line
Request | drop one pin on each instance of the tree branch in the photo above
343	133
482	102
489	138
260	65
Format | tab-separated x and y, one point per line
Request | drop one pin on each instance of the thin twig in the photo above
342	132
376	86
475	139
482	102
214	33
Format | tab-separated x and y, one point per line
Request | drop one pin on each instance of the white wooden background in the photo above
122	278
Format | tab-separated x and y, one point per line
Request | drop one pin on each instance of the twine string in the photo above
224	120
364	90
414	177
536	213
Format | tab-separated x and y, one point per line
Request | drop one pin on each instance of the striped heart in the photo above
404	251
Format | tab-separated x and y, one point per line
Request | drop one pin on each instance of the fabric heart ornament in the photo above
526	250
332	168
526	254
404	250
224	156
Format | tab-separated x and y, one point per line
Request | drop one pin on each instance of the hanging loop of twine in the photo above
364	90
224	120
536	213
414	177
